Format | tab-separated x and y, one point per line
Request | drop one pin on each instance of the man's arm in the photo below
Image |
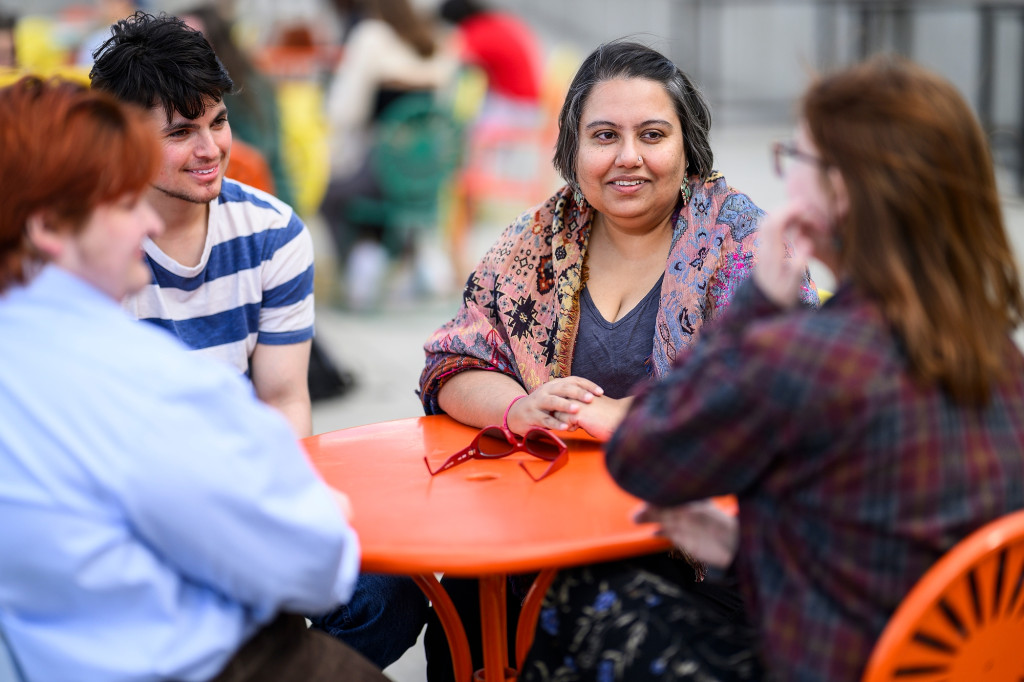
227	496
280	375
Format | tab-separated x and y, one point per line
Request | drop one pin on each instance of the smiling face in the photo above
195	153
622	121
107	250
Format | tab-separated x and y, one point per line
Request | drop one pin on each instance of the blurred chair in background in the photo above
416	149
297	52
248	165
392	52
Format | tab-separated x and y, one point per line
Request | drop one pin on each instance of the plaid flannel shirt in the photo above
852	477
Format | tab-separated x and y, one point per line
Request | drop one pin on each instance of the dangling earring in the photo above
578	197
686	192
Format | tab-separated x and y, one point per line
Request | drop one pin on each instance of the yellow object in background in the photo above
468	93
41	53
40	46
68	72
304	142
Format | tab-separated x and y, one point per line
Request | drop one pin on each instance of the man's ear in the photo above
44	236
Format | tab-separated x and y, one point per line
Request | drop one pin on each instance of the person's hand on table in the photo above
542	408
701	529
599	417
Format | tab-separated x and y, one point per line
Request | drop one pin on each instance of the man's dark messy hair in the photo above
150	60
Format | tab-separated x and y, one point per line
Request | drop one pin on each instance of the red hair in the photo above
64	150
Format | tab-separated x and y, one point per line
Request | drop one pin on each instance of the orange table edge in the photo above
483	519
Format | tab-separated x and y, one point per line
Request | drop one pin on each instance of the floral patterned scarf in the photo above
521	305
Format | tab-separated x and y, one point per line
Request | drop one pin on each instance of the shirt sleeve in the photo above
286	311
224	493
716	422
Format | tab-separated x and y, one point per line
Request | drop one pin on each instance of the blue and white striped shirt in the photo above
253	283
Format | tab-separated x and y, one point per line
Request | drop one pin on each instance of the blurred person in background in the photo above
159	521
863	440
232	274
508	53
392	52
107	12
8	46
350	13
507	131
594	293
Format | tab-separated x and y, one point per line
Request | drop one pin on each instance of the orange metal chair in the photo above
964	619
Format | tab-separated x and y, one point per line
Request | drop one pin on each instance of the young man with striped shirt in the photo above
233	271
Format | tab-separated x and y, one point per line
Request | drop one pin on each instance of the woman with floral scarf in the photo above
583	298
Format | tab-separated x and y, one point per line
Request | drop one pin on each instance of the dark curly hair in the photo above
158	59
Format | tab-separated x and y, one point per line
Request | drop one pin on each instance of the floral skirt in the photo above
641	619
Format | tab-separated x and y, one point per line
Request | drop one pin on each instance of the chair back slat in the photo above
963	620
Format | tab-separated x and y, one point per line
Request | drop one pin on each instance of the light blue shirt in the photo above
153	514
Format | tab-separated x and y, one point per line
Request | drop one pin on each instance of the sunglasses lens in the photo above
492	443
542	445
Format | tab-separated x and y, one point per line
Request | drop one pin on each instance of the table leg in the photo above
494	629
531	609
458	643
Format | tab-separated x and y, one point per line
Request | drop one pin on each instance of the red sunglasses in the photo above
494	442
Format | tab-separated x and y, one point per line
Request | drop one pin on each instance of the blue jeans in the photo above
381	621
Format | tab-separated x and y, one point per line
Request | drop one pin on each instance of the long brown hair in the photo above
411	27
66	150
924	233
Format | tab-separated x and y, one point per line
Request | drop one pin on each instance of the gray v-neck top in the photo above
616	355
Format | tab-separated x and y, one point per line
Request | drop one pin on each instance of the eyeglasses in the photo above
787	150
495	442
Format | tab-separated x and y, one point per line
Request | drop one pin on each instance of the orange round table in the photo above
482	519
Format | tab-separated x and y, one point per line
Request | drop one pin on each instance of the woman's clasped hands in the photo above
568	404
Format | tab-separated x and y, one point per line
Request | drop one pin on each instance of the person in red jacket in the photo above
504	48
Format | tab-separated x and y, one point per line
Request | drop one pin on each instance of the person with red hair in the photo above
159	521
